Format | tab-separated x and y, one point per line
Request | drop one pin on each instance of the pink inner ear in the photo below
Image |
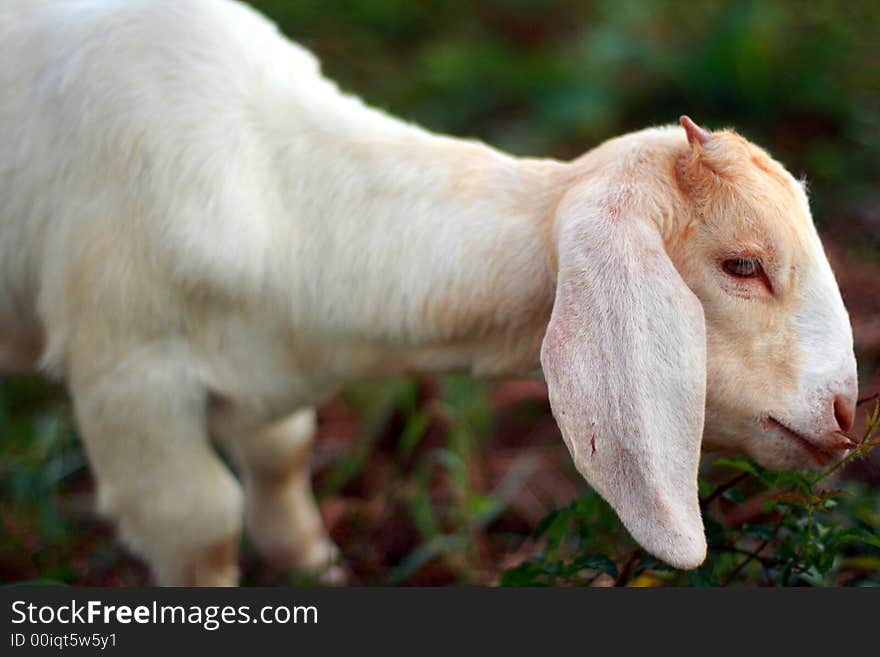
694	132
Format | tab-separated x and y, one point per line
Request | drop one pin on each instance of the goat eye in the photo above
742	267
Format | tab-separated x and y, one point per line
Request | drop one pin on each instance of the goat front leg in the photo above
173	500
282	517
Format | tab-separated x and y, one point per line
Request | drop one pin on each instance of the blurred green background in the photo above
444	481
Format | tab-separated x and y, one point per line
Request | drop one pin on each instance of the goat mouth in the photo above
821	456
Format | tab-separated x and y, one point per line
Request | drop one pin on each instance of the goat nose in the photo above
844	411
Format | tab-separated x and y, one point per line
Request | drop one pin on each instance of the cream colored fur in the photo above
202	235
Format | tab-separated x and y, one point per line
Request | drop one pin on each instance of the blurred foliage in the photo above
556	77
538	78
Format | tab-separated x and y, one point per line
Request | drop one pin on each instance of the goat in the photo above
200	234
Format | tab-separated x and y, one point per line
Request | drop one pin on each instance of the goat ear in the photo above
624	357
695	133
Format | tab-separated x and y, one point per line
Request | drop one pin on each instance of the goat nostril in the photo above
844	412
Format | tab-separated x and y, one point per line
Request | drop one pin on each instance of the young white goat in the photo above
201	235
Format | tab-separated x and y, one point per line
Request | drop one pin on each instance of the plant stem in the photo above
625	572
865	400
751	556
727	485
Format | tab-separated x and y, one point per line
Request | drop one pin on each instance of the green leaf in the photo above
528	573
860	536
595	562
546	522
415	429
785	575
743	465
702	577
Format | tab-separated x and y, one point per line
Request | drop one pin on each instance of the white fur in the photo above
199	231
